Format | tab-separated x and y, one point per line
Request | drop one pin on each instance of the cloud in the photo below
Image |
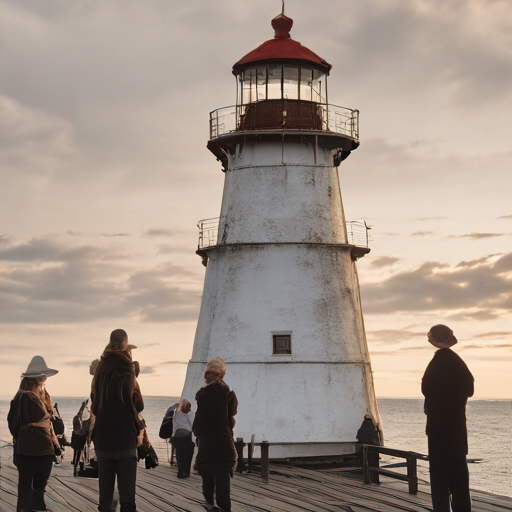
478	236
479	315
394	335
422	233
79	362
147	369
113	235
422	219
494	335
505	217
33	141
157	233
402	351
475	263
504	264
62	283
174	362
486	347
174	249
481	291
384	261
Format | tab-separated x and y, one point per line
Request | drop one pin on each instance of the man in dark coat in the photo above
116	401
447	384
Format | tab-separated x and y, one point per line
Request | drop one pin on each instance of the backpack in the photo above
166	426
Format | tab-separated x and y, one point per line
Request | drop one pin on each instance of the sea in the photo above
403	421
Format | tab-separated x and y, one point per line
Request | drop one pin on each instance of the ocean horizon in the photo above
489	433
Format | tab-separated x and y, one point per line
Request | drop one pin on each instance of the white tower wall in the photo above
282	266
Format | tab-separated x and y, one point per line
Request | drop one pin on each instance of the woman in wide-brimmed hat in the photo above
35	443
217	406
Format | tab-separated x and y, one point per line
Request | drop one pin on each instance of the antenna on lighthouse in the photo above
283	7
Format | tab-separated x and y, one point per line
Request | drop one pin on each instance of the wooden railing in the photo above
371	470
369	462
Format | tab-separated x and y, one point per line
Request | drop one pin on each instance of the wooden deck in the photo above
288	489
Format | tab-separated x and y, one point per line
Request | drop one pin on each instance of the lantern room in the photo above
282	93
288	77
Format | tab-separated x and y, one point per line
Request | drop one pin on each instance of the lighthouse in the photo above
281	302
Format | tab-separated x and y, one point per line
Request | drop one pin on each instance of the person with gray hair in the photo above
182	438
217	406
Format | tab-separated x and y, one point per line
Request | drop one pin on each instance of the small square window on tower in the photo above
282	344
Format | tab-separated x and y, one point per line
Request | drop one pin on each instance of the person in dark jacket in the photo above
447	384
369	432
116	403
34	441
213	427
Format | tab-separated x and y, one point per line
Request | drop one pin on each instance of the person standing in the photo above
447	384
182	439
116	403
35	443
217	406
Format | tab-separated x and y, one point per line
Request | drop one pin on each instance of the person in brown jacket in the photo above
116	403
35	443
217	406
447	384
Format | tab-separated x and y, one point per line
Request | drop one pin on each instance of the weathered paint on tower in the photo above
281	298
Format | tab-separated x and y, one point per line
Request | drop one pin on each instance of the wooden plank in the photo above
290	489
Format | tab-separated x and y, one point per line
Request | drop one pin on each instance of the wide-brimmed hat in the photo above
37	368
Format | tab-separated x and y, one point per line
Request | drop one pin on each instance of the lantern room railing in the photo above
357	233
285	115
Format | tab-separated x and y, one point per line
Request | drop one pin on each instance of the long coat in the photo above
447	384
217	406
116	403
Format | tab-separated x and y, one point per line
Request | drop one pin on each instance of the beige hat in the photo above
37	368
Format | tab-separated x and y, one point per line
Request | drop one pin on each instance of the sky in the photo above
104	173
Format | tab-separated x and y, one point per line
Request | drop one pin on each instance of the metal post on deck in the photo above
412	475
264	460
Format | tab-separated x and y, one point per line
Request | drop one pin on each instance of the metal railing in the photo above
306	116
208	232
357	233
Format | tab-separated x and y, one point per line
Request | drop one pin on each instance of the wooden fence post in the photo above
412	474
264	460
367	477
250	450
373	462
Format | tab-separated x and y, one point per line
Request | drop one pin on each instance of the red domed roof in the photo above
282	48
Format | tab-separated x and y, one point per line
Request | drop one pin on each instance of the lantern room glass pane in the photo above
306	84
274	82
261	84
249	86
291	83
318	87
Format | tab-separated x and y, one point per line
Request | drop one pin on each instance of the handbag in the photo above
58	425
